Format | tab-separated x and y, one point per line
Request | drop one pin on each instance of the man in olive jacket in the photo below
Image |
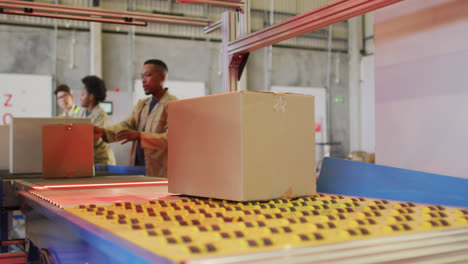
146	126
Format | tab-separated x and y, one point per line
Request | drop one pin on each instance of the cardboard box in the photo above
362	156
26	141
242	146
67	151
4	149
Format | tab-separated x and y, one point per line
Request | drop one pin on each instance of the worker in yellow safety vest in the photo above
65	100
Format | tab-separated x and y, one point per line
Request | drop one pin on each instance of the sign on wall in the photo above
24	95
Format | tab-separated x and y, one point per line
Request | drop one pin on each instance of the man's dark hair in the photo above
158	63
62	88
96	86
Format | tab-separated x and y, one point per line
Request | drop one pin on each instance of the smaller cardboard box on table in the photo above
242	146
67	151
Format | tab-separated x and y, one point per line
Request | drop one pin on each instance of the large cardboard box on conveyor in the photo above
242	146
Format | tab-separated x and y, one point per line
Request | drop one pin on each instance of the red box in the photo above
67	151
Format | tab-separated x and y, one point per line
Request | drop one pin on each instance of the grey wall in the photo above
187	60
30	50
25	50
73	62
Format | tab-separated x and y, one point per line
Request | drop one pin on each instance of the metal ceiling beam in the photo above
321	17
72	17
212	27
229	29
18	7
239	4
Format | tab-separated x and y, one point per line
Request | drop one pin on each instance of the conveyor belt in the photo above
441	246
144	225
72	197
191	228
98	179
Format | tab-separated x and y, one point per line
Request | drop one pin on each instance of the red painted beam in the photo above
72	17
321	17
99	185
13	242
13	258
229	3
104	13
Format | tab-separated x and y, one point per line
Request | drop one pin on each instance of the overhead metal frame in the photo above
17	7
236	49
318	18
234	25
212	27
231	64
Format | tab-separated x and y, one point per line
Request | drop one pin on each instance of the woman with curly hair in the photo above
94	92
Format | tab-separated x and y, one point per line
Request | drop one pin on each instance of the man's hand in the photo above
128	135
98	132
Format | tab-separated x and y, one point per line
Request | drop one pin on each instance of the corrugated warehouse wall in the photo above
32	46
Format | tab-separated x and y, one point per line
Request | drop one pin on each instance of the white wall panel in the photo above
421	57
368	104
25	95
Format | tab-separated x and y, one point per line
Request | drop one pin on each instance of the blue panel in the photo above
100	167
347	177
132	170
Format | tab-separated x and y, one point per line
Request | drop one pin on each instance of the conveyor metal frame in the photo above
103	246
